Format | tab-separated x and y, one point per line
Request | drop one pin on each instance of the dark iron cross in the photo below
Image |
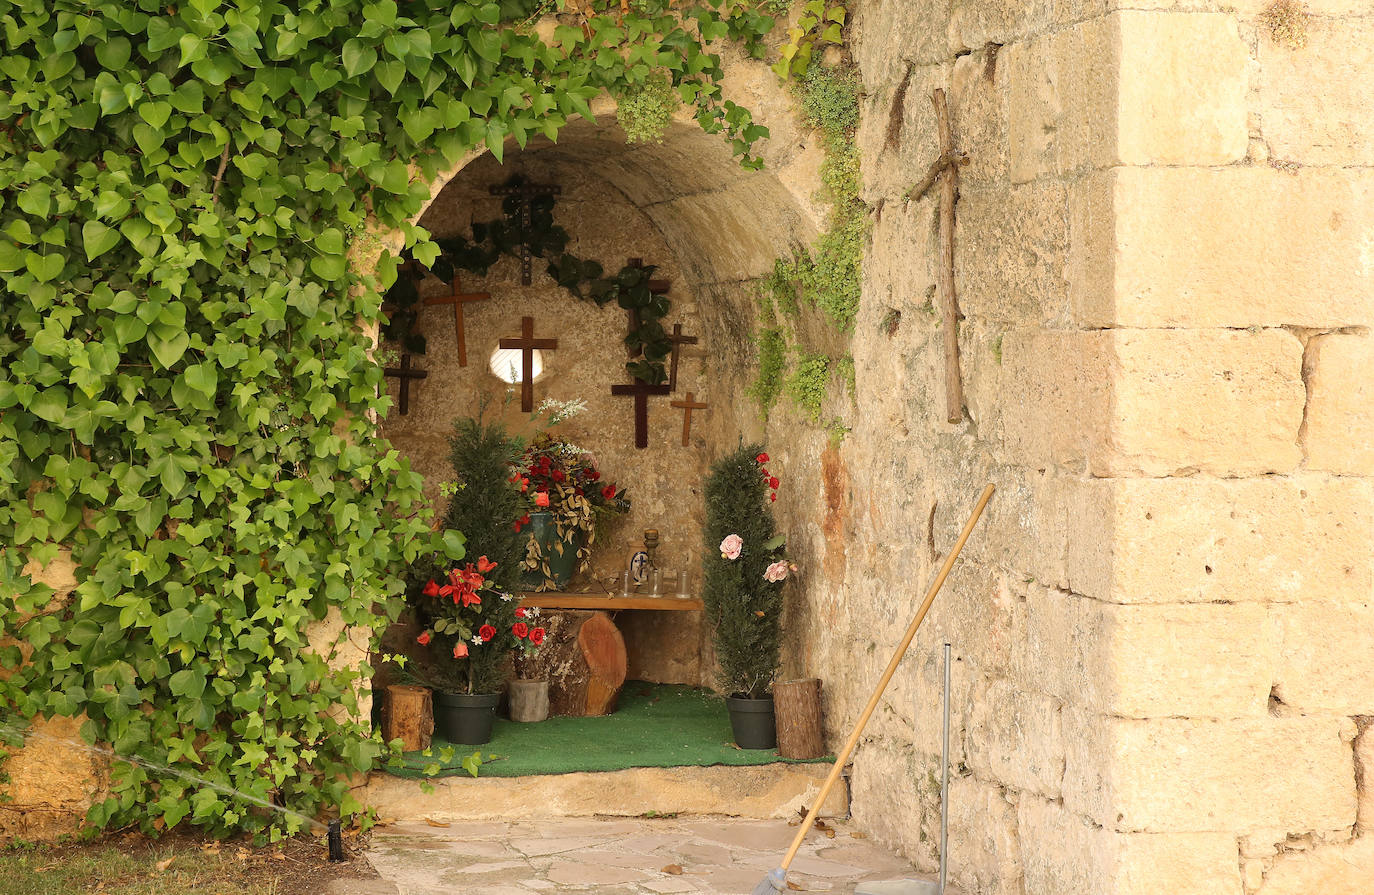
640	391
678	340
405	373
687	407
458	299
527	343
656	287
526	193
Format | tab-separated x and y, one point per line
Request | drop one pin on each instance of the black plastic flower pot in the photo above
751	720
465	718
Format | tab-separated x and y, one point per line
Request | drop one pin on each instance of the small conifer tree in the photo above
743	607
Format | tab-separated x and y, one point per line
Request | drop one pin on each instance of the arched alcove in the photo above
711	228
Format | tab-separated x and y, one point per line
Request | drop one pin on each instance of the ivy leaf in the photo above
169	350
358	57
454	545
202	377
98	239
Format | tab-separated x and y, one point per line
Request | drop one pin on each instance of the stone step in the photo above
762	791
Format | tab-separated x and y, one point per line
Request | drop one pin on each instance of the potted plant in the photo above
566	501
528	696
743	571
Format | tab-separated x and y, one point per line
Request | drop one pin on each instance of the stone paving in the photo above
618	856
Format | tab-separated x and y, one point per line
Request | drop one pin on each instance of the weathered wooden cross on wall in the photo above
678	340
526	192
405	373
687	407
527	343
458	299
640	391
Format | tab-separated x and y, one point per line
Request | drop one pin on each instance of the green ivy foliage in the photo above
187	391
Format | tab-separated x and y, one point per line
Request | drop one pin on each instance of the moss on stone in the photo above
772	368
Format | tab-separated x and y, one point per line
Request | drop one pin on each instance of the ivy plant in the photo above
187	393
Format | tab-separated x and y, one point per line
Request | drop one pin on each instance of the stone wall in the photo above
1164	678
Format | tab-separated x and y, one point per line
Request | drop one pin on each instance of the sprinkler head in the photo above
336	849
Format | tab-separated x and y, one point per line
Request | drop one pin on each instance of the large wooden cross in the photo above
405	373
527	343
458	299
640	391
687	407
526	193
656	287
678	340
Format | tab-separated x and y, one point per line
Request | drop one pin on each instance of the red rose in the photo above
761	458
558	475
423	638
486	632
773	483
541	499
520	629
593	476
608	492
460	650
516	526
484	565
431	589
521	612
772	497
765	473
537	637
524	485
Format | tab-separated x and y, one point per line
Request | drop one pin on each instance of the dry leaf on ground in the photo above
163	865
674	869
436	823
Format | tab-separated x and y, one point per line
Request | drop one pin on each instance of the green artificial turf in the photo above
655	726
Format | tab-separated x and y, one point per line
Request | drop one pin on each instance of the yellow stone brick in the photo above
1331	869
1338	434
1325	663
1061	382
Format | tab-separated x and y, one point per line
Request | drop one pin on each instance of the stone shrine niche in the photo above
664	479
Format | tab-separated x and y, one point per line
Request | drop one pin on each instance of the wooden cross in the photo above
405	374
641	392
526	192
687	407
458	299
678	340
527	343
656	287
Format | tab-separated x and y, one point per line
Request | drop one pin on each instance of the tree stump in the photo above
408	716
585	666
797	705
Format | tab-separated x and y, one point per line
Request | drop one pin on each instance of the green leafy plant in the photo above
188	389
821	22
806	384
645	113
767	385
743	570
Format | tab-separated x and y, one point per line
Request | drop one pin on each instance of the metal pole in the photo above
944	783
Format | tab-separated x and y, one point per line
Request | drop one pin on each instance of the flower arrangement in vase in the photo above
566	502
743	573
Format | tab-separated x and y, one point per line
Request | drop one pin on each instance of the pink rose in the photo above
541	499
776	572
731	546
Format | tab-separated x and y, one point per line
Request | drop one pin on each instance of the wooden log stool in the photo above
584	660
408	715
797	706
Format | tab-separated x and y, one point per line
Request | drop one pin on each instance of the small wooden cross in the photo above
678	340
656	287
405	373
458	299
527	343
526	192
687	407
641	392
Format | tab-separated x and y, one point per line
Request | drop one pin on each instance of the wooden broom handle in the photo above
887	676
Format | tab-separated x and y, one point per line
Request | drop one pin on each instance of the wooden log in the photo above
797	706
603	649
408	716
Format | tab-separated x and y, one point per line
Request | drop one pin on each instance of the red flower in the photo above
761	458
521	612
423	638
593	475
431	589
524	485
486	632
772	497
484	565
558	475
460	650
470	599
765	473
516	526
537	637
608	492
773	483
520	629
541	499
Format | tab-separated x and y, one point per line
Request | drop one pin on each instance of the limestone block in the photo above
1314	102
1183	83
54	779
1198	660
1332	869
975	23
893	33
1063	852
1338	435
1364	765
1234	247
343	647
1015	736
1182	775
1203	540
1010	254
1324	660
1221	402
984	853
1060	380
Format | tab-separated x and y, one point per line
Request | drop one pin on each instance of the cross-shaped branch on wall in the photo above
527	344
526	192
457	298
